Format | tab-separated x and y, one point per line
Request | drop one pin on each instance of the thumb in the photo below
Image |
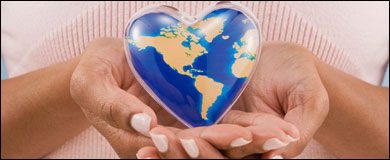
106	105
307	117
125	111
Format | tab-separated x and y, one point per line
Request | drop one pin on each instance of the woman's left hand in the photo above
287	84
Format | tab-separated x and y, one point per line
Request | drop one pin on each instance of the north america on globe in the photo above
194	70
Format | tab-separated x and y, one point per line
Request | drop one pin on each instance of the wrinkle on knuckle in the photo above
79	85
108	111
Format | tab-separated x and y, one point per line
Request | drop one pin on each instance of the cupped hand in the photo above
112	99
286	84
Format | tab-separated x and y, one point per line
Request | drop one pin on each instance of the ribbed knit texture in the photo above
108	19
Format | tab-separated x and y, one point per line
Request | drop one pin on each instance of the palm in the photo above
281	82
286	84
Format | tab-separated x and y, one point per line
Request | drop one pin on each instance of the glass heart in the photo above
196	68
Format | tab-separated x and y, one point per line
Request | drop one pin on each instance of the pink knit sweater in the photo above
351	36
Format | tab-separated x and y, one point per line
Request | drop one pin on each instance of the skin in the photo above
37	112
105	94
358	122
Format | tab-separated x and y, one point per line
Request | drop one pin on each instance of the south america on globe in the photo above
196	71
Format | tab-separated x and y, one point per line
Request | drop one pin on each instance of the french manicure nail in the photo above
292	139
273	143
141	123
190	147
239	142
160	141
277	157
137	156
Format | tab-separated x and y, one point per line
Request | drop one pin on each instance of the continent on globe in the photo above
210	91
211	27
186	49
246	54
173	36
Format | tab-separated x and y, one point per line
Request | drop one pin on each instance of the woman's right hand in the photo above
112	99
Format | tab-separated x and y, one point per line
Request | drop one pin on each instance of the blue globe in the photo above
197	71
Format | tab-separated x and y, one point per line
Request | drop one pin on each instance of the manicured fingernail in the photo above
292	139
239	142
160	141
141	123
277	157
138	157
273	143
190	147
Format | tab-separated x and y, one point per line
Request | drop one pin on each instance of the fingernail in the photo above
239	142
292	139
141	123
160	141
273	143
277	157
141	158
190	147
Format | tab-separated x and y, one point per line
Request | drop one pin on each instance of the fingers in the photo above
197	147
307	117
119	109
269	133
167	144
275	154
148	152
95	86
258	118
264	139
200	142
222	136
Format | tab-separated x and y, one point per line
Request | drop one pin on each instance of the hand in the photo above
112	99
286	84
259	133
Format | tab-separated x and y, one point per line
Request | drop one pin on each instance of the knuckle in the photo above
109	112
78	84
233	116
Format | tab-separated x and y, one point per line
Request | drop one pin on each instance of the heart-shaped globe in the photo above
196	68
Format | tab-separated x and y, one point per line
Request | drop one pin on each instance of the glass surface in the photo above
194	69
